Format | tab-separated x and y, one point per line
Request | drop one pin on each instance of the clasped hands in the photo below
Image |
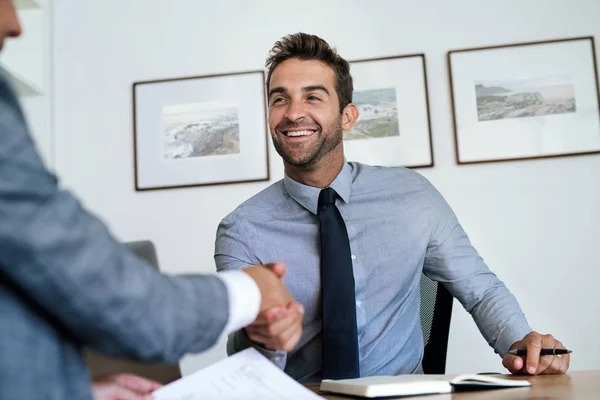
279	322
277	327
534	363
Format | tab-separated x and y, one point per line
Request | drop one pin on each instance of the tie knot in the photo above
327	197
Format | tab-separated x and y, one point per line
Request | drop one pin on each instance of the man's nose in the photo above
13	26
295	111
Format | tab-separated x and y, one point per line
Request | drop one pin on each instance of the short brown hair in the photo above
310	47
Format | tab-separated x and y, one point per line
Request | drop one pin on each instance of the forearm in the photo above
463	272
68	262
499	317
452	260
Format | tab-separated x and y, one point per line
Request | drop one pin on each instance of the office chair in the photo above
100	364
436	310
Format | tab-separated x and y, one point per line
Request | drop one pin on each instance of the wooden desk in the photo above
574	385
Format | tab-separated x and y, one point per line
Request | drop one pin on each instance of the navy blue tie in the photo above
340	339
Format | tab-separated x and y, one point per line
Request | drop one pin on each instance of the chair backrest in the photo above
436	310
100	364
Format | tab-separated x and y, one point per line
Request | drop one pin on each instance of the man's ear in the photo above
349	116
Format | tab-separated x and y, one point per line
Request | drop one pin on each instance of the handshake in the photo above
278	325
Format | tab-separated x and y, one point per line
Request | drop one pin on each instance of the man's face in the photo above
304	114
9	23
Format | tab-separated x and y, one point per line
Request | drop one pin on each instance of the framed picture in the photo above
393	128
203	130
525	101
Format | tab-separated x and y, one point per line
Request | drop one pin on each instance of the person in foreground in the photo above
65	282
356	239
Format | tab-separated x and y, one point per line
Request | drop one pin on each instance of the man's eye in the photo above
313	98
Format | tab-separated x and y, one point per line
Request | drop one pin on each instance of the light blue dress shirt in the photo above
399	226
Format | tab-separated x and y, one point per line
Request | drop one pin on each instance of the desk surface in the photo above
574	385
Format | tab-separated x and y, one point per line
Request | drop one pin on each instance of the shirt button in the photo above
358	303
353	257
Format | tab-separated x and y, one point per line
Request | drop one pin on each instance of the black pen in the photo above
543	352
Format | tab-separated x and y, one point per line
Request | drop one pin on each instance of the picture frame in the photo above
200	130
394	126
525	101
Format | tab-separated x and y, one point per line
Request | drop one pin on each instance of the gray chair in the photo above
100	364
436	311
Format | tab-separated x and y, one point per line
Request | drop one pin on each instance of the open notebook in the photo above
406	385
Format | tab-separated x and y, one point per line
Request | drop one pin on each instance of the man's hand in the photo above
533	363
279	322
123	387
278	328
272	290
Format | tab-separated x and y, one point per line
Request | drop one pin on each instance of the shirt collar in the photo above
308	196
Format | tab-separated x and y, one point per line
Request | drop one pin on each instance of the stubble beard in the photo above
325	143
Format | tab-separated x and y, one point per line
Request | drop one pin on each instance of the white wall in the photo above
536	223
27	61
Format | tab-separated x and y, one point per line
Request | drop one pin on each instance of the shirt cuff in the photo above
240	341
244	300
511	335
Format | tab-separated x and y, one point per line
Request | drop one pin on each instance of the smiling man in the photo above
356	240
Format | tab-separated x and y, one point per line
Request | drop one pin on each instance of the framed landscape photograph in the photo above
197	131
525	100
393	128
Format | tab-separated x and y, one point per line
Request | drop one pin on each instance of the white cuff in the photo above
244	300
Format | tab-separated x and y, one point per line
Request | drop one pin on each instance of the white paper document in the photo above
247	375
